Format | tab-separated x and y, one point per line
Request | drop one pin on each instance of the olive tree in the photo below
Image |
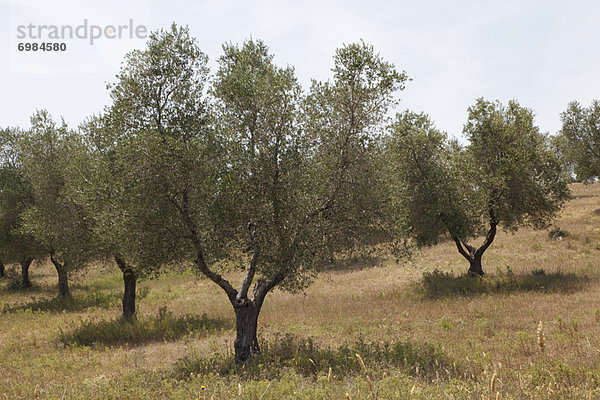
103	186
15	197
579	139
506	175
297	180
264	197
54	219
238	180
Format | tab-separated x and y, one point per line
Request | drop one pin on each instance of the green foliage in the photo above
160	87
445	325
16	195
305	357
266	160
507	175
163	327
426	181
346	118
53	218
579	140
148	151
512	166
437	284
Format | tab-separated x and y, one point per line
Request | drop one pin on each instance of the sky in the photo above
542	53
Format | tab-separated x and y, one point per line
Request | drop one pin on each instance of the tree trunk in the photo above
2	274
63	282
25	282
472	254
246	322
475	266
246	310
63	278
129	281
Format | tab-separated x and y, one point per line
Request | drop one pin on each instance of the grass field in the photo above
424	330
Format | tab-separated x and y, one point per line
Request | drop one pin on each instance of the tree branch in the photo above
123	266
243	293
489	238
461	249
264	286
200	262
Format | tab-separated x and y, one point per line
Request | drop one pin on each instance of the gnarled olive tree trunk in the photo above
25	282
129	280
246	319
246	309
246	323
63	277
474	255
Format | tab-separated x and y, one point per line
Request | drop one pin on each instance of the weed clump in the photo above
558	234
559	378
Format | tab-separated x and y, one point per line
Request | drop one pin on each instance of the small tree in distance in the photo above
56	221
505	176
579	139
15	197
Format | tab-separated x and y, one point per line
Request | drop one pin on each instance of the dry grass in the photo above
494	333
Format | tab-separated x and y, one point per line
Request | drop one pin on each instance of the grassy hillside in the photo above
422	329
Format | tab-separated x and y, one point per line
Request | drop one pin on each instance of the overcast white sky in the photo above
543	53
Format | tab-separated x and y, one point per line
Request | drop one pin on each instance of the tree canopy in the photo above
53	218
579	139
16	196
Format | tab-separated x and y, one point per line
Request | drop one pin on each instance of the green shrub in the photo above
13	283
81	301
438	284
305	357
164	326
